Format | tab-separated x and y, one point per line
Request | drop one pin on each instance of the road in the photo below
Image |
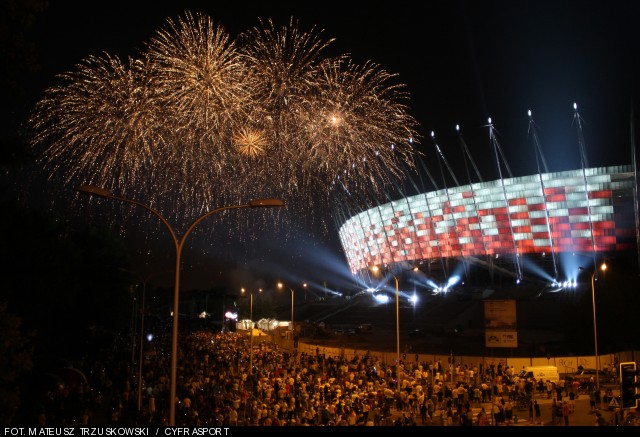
582	416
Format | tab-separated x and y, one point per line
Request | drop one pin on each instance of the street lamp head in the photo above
603	267
94	191
266	203
375	269
282	286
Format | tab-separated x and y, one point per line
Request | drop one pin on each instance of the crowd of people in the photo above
222	382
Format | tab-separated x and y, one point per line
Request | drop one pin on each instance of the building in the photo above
522	226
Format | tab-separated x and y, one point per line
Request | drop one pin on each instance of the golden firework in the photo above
201	119
250	143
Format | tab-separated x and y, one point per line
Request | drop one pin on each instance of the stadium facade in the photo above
522	226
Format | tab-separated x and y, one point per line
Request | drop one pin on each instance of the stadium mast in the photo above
466	155
635	185
540	160
496	149
423	191
585	165
441	160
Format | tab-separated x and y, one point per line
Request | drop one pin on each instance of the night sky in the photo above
462	62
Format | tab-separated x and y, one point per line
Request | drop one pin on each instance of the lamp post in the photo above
281	285
251	330
603	267
133	325
397	332
178	245
144	281
376	269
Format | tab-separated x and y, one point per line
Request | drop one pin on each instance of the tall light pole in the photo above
178	245
251	330
144	281
397	332
603	267
376	269
281	285
133	325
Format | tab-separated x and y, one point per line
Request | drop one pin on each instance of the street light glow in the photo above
94	191
266	203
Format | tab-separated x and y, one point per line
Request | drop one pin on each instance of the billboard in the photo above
493	338
500	323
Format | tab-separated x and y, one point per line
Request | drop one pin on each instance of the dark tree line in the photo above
63	295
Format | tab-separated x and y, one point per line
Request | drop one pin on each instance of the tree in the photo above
62	281
15	363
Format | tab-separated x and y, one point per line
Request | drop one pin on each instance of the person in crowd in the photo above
566	410
536	407
599	420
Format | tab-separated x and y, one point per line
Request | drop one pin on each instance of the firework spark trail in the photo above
285	64
202	120
202	81
102	119
207	88
354	123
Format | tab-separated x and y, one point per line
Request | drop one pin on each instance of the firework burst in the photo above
250	143
203	120
354	123
202	80
102	125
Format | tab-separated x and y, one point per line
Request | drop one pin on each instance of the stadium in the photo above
443	252
543	228
520	227
538	240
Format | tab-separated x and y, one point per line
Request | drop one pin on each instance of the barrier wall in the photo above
567	364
